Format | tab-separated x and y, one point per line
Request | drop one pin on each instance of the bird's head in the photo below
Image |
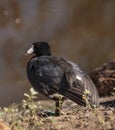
39	49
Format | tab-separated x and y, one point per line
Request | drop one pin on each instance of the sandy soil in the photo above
39	115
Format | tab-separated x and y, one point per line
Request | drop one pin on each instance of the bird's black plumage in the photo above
49	75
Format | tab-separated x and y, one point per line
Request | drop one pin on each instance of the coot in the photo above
50	75
104	78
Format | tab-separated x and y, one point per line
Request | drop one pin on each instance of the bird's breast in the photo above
41	72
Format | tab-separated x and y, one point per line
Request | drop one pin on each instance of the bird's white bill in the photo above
31	50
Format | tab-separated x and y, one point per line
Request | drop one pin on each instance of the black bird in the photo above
104	78
50	75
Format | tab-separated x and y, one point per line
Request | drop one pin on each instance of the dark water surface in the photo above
82	31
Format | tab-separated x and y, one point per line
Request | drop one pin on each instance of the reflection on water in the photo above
82	31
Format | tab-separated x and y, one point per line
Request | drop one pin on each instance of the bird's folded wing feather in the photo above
77	83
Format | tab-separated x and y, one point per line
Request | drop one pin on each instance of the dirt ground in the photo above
39	115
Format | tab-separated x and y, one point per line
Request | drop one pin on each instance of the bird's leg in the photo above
59	99
58	104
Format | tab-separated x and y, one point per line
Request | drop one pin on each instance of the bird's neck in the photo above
43	54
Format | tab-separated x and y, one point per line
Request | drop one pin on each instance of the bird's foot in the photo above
46	113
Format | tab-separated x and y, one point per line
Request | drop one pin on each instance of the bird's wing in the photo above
77	83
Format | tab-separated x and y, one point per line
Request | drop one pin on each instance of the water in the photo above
82	31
